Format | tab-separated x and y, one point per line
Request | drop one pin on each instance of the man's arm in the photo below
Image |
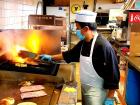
57	57
72	55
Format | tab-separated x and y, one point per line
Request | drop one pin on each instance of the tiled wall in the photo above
14	13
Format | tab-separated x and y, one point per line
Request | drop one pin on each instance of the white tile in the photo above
2	4
11	5
2	21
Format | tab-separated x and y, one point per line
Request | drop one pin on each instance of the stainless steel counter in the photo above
9	86
10	80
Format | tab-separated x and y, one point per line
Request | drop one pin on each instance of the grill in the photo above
14	71
37	41
47	68
9	87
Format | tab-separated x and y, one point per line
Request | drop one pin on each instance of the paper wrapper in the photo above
33	94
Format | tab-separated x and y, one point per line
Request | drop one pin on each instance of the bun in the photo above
3	102
7	101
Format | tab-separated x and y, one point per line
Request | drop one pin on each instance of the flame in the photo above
12	44
33	42
14	53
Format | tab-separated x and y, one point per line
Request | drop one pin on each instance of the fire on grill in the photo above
19	50
21	47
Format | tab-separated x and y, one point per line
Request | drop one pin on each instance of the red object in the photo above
124	50
134	17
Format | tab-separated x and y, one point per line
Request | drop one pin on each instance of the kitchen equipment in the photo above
15	70
29	44
27	54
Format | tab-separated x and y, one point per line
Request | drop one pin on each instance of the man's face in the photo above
83	30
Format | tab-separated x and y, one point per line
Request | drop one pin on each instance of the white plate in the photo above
27	103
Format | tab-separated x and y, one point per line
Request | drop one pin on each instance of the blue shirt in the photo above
104	60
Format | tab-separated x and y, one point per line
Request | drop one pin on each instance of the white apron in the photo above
92	84
88	74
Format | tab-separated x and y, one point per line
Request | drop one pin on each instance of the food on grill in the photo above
26	83
33	94
31	88
20	64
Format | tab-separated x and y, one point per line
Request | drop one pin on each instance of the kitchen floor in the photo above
121	90
117	101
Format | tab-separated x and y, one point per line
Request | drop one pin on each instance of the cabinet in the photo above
135	44
56	2
118	1
62	2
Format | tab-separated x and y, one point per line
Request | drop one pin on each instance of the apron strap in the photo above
93	43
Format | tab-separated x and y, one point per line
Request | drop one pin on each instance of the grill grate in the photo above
42	68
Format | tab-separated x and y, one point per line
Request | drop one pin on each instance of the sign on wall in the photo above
75	8
134	17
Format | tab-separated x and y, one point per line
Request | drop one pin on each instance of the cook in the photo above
99	71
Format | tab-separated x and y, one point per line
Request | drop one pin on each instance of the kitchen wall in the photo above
14	13
107	4
80	3
104	4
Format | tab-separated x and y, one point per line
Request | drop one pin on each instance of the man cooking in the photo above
99	71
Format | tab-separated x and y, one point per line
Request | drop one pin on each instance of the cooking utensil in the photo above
36	58
27	54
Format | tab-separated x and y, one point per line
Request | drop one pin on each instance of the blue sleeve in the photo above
112	74
73	55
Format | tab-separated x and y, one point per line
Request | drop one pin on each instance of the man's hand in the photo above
110	98
45	57
110	93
